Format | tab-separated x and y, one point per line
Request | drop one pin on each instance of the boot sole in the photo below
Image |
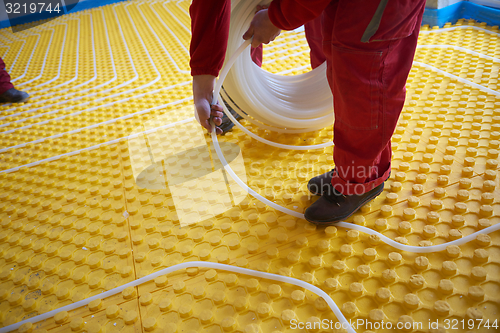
339	219
22	100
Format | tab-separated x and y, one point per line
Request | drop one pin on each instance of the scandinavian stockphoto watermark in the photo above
296	171
362	324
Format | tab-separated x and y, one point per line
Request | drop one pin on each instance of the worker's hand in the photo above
261	29
259	7
203	86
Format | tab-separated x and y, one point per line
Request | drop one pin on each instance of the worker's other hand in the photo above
203	86
261	29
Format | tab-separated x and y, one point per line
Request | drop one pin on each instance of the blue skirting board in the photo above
464	9
71	7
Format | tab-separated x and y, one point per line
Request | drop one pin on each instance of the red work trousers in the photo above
4	78
314	39
368	85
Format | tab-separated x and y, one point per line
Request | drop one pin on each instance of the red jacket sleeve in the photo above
291	14
210	30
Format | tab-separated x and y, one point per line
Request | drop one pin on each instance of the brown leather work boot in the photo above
334	206
318	183
14	96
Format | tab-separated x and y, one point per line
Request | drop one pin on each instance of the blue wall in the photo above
464	9
69	8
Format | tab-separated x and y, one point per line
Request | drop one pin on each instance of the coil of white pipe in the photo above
297	103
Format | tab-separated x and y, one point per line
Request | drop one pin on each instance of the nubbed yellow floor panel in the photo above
106	178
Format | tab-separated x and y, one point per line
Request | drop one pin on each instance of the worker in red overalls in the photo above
369	47
210	29
9	94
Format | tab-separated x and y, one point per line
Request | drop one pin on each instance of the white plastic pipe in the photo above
74	152
43	64
459	48
385	239
458	27
246	271
76	65
191	264
111	121
61	55
45	96
160	42
115	76
17	56
302	102
299	283
158	77
29	60
459	79
222	77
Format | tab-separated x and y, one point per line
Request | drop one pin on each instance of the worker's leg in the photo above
315	41
314	38
368	84
4	78
9	94
369	87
